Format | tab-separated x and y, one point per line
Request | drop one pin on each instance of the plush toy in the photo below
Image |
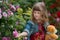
51	33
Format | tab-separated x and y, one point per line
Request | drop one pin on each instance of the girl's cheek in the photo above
36	15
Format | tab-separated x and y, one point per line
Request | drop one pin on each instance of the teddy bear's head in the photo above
51	29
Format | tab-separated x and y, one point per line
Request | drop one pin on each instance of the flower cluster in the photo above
53	7
9	19
12	17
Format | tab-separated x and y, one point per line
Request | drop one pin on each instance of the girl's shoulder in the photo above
30	22
46	24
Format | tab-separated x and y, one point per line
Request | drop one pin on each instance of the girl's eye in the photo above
38	12
34	12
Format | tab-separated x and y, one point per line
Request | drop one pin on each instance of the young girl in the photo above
36	27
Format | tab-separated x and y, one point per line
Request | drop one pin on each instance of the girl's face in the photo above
37	15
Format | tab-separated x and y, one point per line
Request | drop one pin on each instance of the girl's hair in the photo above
40	6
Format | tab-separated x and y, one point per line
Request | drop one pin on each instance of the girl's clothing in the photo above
40	35
35	31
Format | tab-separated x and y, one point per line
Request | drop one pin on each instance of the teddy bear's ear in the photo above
55	30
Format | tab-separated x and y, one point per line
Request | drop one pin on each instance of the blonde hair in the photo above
40	6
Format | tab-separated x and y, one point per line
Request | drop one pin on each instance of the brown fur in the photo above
51	36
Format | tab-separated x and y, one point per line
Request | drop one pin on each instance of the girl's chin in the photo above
37	19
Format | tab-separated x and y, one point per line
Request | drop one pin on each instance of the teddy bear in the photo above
51	33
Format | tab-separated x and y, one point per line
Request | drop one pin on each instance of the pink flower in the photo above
4	38
15	33
0	16
49	14
17	22
57	19
5	14
0	11
8	38
3	8
9	12
12	7
17	6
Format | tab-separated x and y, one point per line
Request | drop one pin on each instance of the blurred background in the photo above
15	13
